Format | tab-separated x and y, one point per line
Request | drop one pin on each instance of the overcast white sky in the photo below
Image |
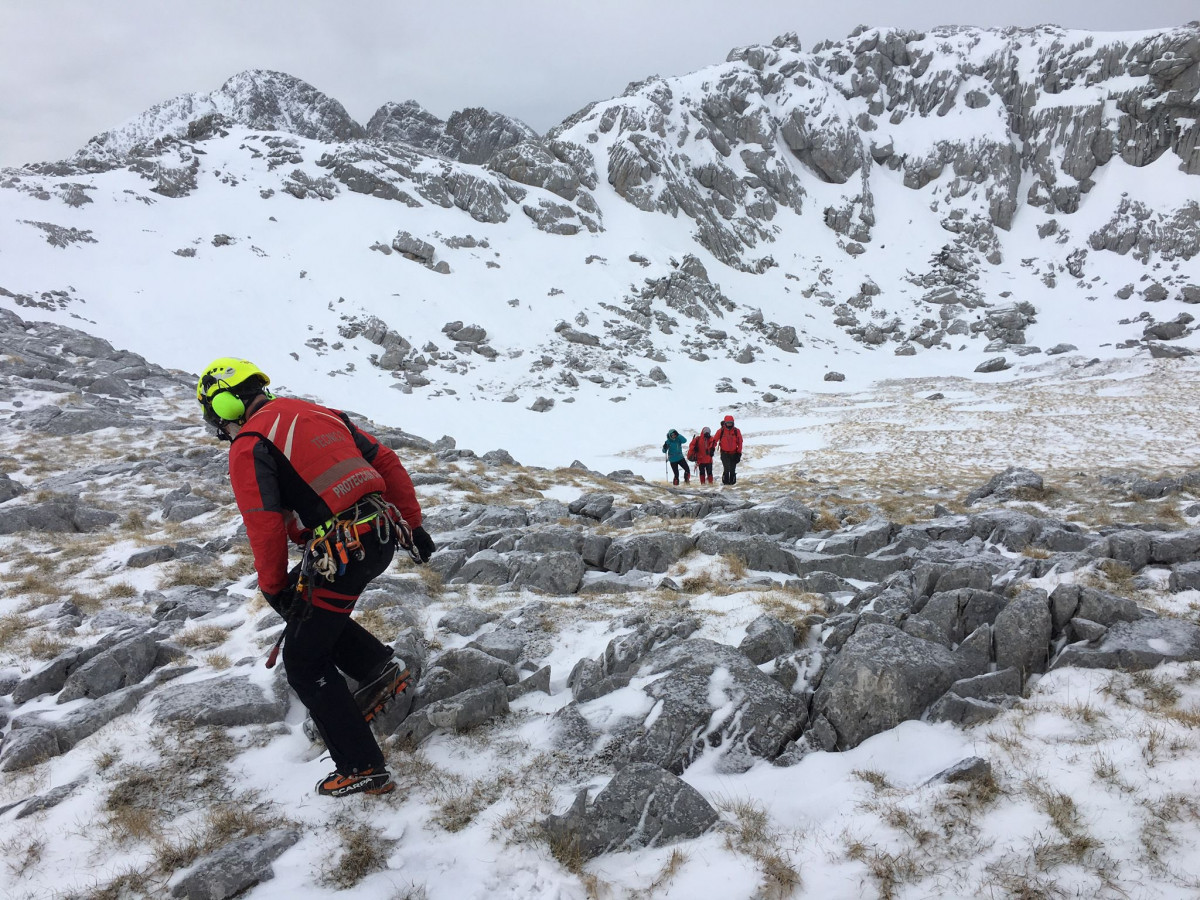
70	69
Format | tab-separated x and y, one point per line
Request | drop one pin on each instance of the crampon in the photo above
380	690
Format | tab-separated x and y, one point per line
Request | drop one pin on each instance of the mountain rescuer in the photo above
673	447
729	439
701	449
302	471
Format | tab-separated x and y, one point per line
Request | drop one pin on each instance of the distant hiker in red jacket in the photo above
302	471
729	440
701	450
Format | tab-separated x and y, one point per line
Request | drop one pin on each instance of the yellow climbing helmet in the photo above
224	388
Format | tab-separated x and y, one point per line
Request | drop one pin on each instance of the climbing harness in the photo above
338	540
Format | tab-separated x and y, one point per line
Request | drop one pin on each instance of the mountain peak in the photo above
255	98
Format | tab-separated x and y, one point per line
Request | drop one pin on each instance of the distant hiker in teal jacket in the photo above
673	447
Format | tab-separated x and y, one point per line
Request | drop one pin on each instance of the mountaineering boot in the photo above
377	691
677	479
369	781
687	478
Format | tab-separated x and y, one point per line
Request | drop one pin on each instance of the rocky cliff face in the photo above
982	122
472	135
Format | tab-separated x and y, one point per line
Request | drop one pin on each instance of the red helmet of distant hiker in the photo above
728	420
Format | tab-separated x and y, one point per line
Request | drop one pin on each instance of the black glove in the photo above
423	542
282	602
737	458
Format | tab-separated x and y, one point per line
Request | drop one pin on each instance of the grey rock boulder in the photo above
466	620
709	698
185	602
235	867
484	567
988	686
964	711
1022	633
507	644
59	515
49	679
25	747
859	540
973	769
591	678
120	666
995	364
459	712
593	506
785	518
37	737
1185	577
1013	483
551	539
642	806
766	638
1070	601
654	552
187	508
758	552
559	573
61	421
226	700
9	488
538	681
1136	645
1130	546
957	613
457	671
880	678
150	556
873	567
448	563
51	798
1175	547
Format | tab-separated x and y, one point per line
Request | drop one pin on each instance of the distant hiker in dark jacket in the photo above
304	472
673	447
701	450
729	439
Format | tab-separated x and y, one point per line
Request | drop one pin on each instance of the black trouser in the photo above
728	466
320	642
675	466
705	470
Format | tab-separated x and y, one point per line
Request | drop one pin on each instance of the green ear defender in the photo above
228	405
225	388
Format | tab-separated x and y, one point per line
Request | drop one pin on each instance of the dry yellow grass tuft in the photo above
202	636
363	851
750	831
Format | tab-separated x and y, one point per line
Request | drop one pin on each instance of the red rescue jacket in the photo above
702	448
292	456
730	439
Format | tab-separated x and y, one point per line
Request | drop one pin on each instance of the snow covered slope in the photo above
895	204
